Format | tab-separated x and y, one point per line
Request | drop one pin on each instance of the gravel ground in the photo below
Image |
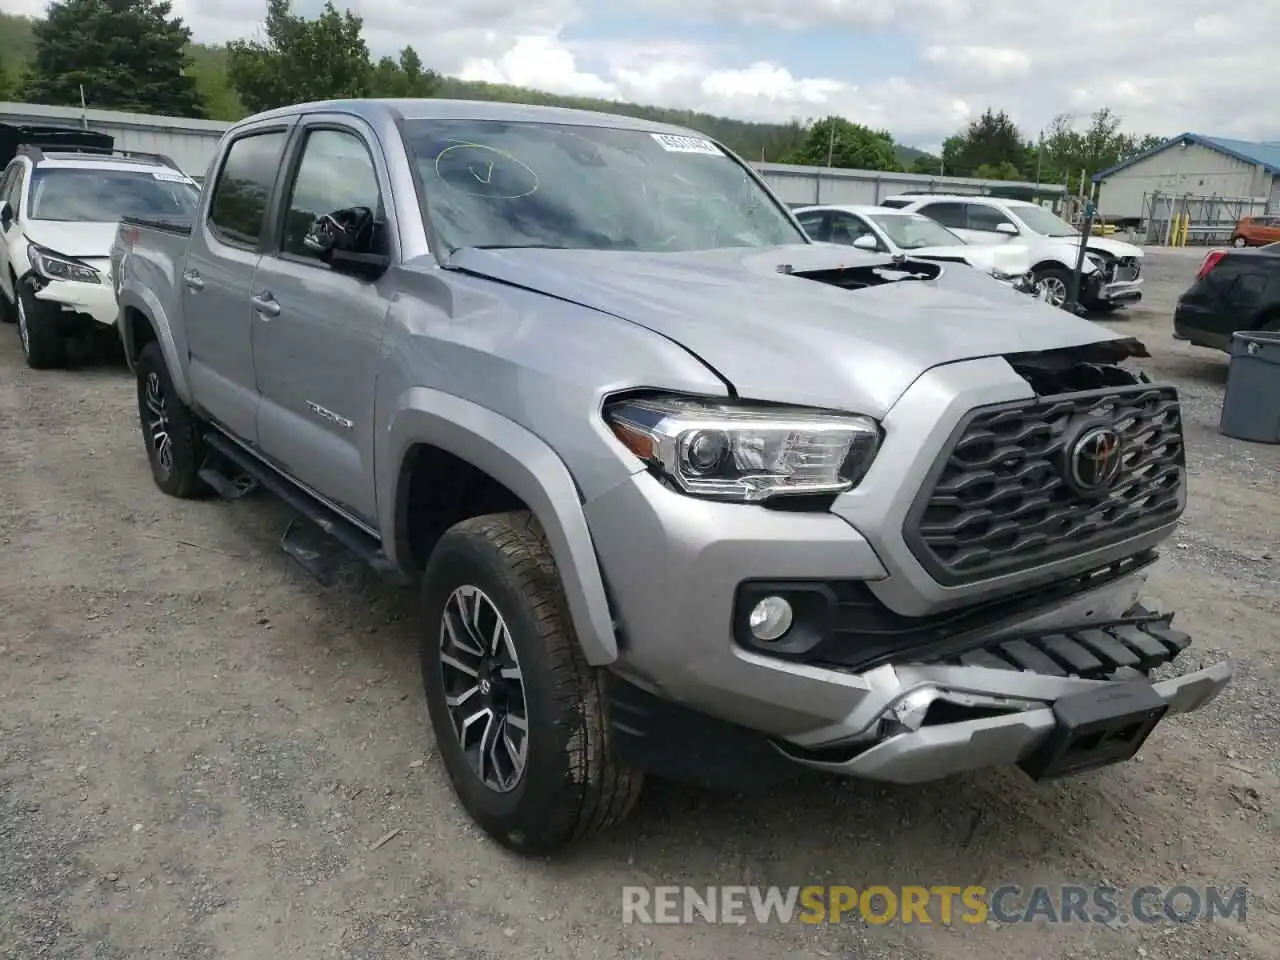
200	747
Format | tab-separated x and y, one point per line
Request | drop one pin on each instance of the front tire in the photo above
518	714
1239	242
9	309
170	429
1052	283
42	343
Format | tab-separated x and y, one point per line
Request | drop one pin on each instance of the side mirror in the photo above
6	215
866	242
1008	229
344	240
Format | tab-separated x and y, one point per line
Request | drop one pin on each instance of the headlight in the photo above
54	267
1097	261
724	450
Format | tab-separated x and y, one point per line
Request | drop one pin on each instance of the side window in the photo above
846	229
948	214
335	177
12	190
240	192
812	224
986	218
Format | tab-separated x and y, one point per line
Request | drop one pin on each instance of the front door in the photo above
317	331
10	233
216	281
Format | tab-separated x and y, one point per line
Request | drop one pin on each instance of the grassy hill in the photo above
772	141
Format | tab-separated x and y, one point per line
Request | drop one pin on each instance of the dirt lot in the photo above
199	746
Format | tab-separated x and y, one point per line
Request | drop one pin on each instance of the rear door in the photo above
11	191
951	215
217	280
317	331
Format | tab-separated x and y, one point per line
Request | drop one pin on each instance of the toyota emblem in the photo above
1094	460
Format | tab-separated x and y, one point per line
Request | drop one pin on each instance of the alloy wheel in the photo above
484	688
158	423
1052	291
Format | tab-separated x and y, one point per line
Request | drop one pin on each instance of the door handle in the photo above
266	305
192	280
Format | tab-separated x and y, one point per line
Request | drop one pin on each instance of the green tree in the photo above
837	142
1067	153
991	141
6	85
1004	170
301	60
926	164
405	78
125	54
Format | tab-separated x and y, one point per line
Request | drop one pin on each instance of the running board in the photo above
303	541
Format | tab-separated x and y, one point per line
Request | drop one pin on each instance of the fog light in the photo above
770	619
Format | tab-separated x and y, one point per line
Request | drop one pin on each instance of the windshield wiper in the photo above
511	246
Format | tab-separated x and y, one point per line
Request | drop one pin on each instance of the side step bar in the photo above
307	550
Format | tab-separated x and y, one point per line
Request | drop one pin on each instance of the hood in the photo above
82	240
1116	248
1005	258
781	337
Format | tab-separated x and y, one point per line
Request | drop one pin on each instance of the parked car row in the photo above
1039	243
684	493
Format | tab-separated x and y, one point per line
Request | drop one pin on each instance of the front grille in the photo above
1126	269
998	501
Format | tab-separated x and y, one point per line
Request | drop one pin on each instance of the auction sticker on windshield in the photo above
173	177
676	144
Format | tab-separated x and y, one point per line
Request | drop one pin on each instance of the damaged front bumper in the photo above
1054	704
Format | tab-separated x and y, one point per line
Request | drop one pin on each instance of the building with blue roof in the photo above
1239	175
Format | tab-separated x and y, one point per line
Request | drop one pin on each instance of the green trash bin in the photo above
1251	406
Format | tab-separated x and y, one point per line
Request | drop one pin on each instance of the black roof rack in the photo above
37	153
13	136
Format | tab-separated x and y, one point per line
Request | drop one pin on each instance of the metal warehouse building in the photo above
189	143
1212	180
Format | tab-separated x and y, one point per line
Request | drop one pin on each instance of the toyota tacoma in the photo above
684	493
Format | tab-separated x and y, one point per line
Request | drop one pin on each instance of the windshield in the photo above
74	195
912	231
498	184
1045	222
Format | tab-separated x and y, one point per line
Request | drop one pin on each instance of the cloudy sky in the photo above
919	68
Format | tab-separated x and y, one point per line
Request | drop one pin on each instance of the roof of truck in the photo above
434	109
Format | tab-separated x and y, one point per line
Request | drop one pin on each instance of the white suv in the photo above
58	217
1113	268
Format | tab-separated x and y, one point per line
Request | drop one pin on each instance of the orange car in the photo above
1255	231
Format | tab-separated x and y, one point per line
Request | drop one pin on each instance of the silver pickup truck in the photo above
684	494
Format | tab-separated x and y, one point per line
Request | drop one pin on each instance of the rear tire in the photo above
1239	242
169	429
42	343
570	783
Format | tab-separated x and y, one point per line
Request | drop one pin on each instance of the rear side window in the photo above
948	214
239	202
